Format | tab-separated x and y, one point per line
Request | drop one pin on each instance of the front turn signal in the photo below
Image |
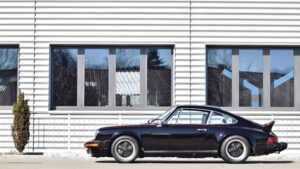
90	145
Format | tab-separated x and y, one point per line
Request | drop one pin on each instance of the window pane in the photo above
159	76
96	77
218	118
219	92
282	77
127	77
251	77
64	76
187	116
8	75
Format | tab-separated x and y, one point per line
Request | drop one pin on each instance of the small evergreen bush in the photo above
20	126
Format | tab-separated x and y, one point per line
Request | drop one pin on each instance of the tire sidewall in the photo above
224	154
134	154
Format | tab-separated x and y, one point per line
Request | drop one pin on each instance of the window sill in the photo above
109	110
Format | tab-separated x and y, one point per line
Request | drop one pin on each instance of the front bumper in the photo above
97	148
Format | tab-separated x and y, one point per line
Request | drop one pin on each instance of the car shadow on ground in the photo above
198	161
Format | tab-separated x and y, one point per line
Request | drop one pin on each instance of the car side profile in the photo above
187	131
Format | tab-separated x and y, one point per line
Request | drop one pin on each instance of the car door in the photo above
184	130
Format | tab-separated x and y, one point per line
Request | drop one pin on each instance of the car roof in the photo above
201	107
208	107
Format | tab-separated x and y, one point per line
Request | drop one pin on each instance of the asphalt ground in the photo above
42	162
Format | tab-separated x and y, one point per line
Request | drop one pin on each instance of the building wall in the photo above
189	25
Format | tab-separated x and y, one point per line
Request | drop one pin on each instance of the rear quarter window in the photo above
220	118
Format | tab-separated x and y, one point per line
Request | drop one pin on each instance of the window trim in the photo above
266	77
211	114
9	107
196	109
112	78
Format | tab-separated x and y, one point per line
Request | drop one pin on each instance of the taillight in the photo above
272	140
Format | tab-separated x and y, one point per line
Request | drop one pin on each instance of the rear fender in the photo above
250	139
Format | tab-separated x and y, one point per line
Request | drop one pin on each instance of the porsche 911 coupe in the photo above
187	131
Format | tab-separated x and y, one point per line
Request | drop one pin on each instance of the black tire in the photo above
125	149
235	149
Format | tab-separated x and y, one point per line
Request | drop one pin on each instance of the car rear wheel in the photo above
125	149
235	149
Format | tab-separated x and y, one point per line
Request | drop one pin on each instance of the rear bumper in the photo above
277	147
97	148
268	148
280	146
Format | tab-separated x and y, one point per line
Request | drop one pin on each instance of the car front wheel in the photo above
125	149
235	149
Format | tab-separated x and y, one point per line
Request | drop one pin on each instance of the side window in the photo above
219	118
189	116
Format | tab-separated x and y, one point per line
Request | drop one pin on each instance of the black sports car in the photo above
187	131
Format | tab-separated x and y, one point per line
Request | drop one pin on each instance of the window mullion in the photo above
266	78
297	78
80	78
143	78
235	78
112	78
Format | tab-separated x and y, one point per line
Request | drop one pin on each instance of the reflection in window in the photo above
64	76
251	77
159	77
219	92
282	77
127	77
96	77
8	75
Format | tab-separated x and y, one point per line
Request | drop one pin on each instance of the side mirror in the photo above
158	122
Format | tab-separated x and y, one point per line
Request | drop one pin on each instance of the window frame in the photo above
266	94
112	78
195	109
9	107
212	113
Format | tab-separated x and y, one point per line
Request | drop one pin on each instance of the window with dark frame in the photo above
265	77
111	77
8	75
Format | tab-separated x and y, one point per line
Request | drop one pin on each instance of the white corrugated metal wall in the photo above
189	25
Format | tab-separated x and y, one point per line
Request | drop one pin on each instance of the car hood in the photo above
144	125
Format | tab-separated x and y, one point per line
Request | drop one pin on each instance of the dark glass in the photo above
219	73
64	76
159	76
8	75
96	77
251	77
127	77
282	77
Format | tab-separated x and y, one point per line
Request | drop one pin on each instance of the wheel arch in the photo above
249	139
125	133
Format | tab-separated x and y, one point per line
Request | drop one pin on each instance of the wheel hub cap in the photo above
125	149
235	149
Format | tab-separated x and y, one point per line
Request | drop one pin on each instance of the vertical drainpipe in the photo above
33	90
190	50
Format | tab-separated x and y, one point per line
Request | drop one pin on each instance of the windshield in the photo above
167	113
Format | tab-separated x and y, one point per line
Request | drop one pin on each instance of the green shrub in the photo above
20	126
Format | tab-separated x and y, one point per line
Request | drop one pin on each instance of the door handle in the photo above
201	130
